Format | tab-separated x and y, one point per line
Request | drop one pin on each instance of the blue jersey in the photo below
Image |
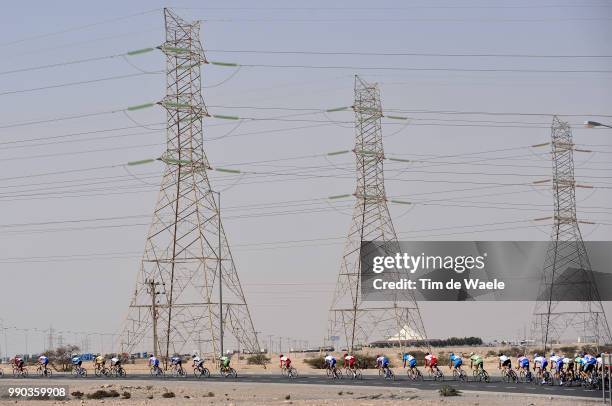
523	362
76	360
590	360
455	358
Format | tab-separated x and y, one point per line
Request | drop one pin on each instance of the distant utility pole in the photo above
350	318
152	290
567	268
186	245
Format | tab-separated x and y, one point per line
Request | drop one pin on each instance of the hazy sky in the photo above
471	182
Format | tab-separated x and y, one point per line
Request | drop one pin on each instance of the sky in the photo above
73	218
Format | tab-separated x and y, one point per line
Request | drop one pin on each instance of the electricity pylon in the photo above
187	291
352	319
567	269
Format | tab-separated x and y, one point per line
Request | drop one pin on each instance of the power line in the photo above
427	69
403	53
77	28
77	83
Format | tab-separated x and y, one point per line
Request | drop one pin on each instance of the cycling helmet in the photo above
552	354
471	353
426	353
280	356
452	354
535	355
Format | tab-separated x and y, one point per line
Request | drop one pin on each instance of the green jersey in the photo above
476	359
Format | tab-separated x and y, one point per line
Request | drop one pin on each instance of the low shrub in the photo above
258	359
447	390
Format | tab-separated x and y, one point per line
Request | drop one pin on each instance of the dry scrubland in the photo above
228	393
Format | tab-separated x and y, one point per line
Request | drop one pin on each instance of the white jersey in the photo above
114	360
567	361
503	358
554	359
329	359
197	360
539	360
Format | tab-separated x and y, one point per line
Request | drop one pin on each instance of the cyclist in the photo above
383	363
349	361
504	362
18	363
431	362
285	362
198	363
556	364
115	362
455	362
43	361
405	357
99	362
177	362
476	362
539	365
77	362
154	363
523	365
589	363
411	361
225	362
569	367
330	362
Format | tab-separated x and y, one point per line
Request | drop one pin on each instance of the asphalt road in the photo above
367	381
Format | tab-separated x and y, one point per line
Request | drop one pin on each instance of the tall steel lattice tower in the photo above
351	319
567	269
188	283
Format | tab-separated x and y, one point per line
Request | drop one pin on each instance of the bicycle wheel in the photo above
513	377
292	373
329	372
390	374
485	376
24	373
83	373
462	376
357	374
48	372
231	373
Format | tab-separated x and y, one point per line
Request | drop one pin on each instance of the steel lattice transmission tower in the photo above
176	303
350	318
567	268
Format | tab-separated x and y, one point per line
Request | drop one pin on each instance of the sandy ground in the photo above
227	393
